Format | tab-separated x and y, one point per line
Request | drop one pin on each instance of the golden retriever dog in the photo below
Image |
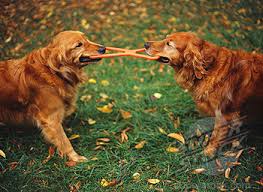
41	88
225	84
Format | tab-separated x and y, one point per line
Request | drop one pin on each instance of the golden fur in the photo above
224	83
41	87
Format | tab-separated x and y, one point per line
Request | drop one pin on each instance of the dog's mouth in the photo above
87	59
163	59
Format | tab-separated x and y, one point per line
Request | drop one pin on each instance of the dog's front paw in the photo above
77	158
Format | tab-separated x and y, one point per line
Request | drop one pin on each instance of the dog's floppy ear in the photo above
193	58
57	62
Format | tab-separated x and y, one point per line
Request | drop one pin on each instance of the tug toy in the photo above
124	52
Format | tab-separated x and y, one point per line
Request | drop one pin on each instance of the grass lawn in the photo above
130	85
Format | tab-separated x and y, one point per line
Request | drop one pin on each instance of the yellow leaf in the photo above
85	98
94	159
91	121
162	131
140	145
2	153
227	173
104	183
136	176
177	136
157	95
74	136
104	96
172	149
153	181
247	179
198	171
92	81
125	114
105	108
105	82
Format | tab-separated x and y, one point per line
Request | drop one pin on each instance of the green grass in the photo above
127	25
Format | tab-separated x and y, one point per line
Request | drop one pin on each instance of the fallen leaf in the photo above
104	96
85	98
91	121
259	168
260	182
92	81
227	172
124	136
150	110
71	163
230	154
172	149
136	176
2	153
162	131
177	136
103	139
94	159
198	171
74	136
198	133
105	82
105	108
157	95
51	152
125	114
140	145
247	179
175	120
105	183
239	153
153	181
75	187
13	165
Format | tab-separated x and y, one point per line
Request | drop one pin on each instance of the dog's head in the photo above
69	51
180	50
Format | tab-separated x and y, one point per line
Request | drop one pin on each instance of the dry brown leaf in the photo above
13	165
198	171
230	154
71	163
140	145
124	136
103	139
150	110
125	114
153	181
239	153
177	136
260	182
227	172
51	152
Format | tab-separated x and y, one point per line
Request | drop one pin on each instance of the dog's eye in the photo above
79	44
170	44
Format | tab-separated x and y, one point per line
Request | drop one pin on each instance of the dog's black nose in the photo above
147	45
102	50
